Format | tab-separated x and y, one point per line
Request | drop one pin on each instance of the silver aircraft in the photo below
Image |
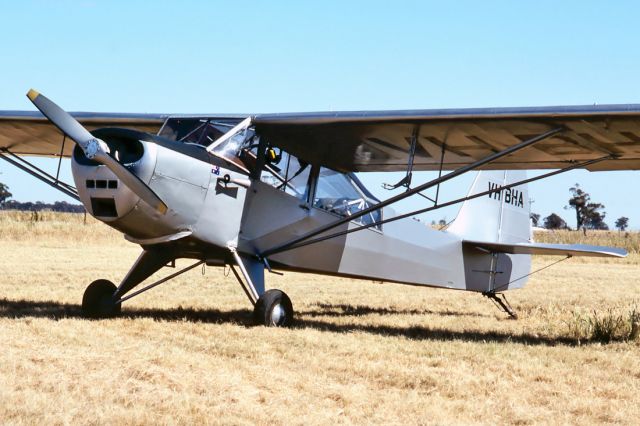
280	191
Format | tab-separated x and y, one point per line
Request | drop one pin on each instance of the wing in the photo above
29	133
380	141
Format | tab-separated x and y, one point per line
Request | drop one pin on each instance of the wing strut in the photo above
475	165
40	174
406	181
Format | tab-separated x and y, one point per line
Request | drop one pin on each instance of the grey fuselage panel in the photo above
404	251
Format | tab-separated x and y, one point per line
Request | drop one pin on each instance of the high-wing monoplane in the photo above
280	191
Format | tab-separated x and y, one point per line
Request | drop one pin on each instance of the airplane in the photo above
279	192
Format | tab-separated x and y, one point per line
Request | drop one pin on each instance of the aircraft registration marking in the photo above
511	196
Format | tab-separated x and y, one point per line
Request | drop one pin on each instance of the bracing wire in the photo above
530	273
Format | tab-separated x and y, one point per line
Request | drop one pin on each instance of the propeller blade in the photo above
95	149
61	119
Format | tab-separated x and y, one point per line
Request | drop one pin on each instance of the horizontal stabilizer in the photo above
549	249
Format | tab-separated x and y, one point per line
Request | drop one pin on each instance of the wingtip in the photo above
32	94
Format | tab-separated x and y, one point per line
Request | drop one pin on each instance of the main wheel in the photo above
274	309
97	301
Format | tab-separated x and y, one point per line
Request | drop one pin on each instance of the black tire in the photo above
97	301
274	309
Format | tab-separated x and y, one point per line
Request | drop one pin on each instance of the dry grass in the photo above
361	352
39	226
627	240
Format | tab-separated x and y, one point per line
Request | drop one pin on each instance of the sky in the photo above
284	56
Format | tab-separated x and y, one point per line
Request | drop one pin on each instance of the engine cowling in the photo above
100	190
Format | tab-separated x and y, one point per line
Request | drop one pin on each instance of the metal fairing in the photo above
180	180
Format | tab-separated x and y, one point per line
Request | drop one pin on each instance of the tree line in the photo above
59	206
589	214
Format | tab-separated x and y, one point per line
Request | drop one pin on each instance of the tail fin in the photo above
501	216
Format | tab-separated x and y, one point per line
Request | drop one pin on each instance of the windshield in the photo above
196	130
238	146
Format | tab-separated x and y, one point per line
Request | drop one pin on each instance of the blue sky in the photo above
270	56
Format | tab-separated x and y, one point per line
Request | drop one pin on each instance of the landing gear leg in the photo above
271	308
501	303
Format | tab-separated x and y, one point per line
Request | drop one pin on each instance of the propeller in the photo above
94	148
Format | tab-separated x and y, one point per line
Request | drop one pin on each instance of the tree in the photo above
4	193
553	221
588	214
622	223
578	201
594	219
535	218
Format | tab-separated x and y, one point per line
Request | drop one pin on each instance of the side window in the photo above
337	193
287	173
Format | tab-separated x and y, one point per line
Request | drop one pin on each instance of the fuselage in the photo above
215	203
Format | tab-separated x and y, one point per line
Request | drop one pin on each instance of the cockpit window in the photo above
232	148
338	193
195	130
287	173
238	146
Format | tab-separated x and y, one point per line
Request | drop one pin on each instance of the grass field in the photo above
361	352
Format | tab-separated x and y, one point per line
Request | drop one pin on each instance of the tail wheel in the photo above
274	309
97	301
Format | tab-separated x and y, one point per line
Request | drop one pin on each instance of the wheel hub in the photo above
278	315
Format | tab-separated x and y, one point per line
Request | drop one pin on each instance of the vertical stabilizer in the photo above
499	217
502	216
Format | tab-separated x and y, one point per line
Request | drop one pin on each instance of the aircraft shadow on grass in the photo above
306	319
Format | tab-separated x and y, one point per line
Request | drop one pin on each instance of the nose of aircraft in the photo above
104	194
95	149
